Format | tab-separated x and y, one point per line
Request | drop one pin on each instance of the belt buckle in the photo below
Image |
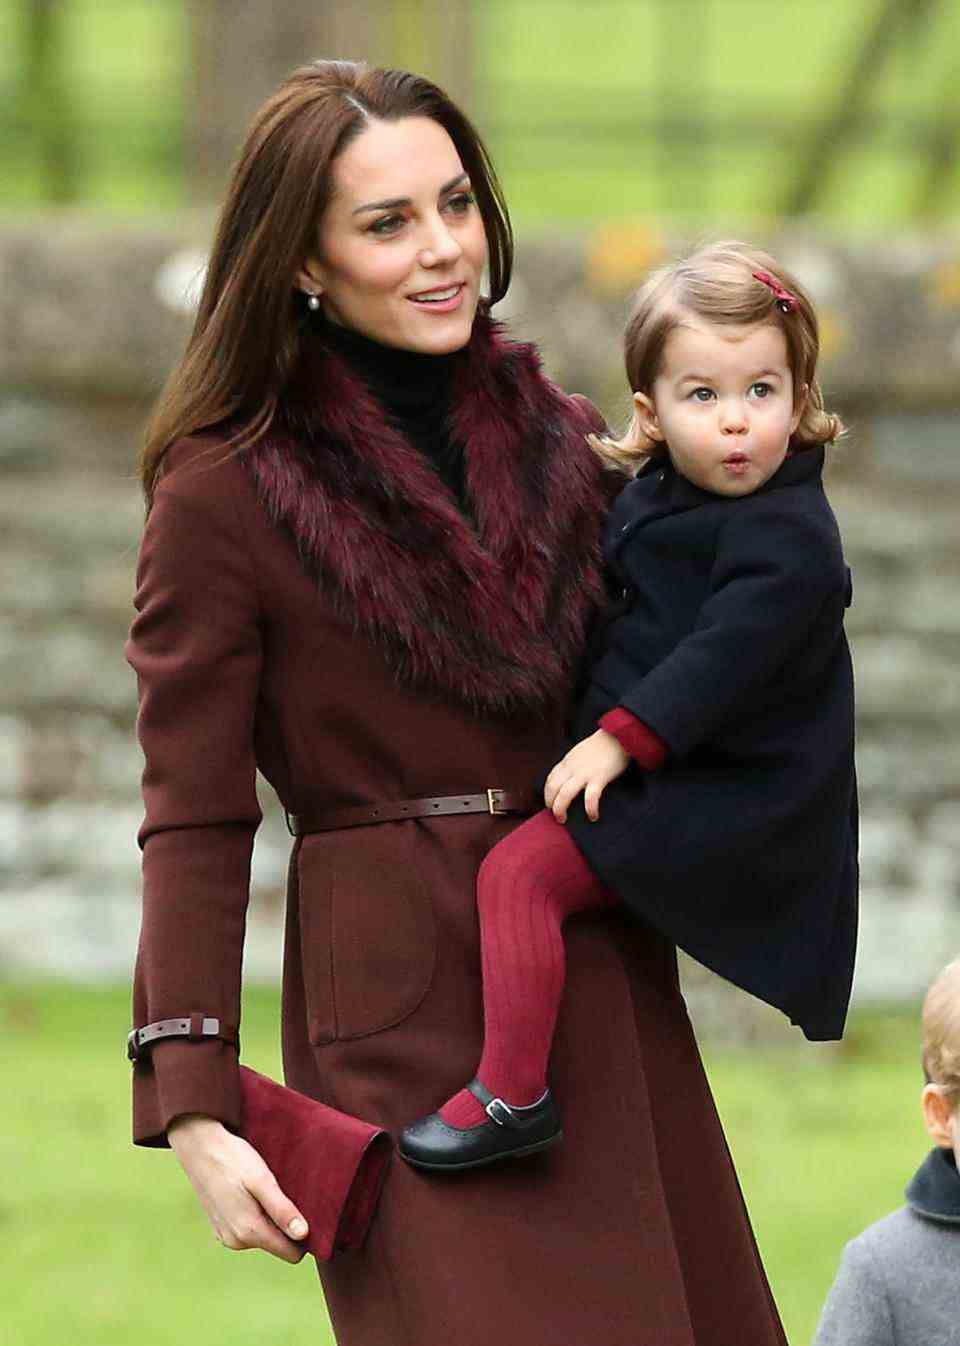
495	803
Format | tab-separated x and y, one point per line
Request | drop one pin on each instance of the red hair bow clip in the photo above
786	302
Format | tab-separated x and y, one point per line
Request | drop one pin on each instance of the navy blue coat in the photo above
728	641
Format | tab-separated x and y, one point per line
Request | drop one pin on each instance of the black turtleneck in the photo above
414	389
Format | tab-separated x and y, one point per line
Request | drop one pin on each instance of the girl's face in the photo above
401	245
723	404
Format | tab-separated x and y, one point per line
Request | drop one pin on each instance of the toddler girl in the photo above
710	786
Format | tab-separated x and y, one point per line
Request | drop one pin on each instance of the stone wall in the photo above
91	318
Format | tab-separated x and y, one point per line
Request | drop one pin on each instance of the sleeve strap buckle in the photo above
194	1027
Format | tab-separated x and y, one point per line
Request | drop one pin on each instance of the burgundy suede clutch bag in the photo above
329	1164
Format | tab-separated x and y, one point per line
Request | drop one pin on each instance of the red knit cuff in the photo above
645	747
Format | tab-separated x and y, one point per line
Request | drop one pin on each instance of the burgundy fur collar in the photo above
493	617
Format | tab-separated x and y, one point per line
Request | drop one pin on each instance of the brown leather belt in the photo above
493	801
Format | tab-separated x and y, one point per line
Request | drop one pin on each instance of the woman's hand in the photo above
589	766
244	1204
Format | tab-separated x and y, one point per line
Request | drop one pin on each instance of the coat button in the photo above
624	528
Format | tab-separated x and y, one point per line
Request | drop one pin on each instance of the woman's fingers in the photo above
240	1221
257	1214
251	1228
283	1214
241	1196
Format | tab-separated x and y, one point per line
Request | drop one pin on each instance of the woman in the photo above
369	564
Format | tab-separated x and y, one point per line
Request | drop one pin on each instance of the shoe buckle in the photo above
499	1112
496	806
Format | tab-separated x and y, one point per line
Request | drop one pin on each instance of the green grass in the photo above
573	98
104	1244
825	1140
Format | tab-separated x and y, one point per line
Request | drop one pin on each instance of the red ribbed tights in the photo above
527	887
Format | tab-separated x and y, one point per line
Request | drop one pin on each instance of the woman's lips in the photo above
449	298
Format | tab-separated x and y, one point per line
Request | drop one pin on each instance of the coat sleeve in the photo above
646	748
857	1310
195	646
773	573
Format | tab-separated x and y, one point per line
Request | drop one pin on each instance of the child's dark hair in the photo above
717	283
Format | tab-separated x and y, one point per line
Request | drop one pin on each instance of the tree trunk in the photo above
892	22
47	102
435	38
241	52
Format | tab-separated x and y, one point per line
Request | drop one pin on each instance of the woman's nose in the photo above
440	246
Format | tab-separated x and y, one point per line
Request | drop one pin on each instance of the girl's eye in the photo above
461	203
702	394
761	390
387	224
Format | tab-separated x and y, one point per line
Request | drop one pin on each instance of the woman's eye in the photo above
702	394
387	224
461	203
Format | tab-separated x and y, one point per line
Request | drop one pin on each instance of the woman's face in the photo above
401	244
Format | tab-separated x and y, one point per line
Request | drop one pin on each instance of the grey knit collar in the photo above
934	1189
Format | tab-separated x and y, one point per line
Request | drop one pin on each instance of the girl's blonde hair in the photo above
941	1032
717	283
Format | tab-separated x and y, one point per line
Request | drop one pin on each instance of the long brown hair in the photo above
718	283
247	334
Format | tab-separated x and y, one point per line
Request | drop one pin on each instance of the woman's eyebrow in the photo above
399	201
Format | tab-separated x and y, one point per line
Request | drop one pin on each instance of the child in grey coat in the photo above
899	1281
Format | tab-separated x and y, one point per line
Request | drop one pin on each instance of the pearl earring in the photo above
313	302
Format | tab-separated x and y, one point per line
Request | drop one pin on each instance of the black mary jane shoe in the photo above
511	1132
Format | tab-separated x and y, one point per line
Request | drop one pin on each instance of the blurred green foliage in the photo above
123	89
702	109
694	109
105	1245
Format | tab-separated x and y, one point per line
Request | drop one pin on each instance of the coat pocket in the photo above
368	931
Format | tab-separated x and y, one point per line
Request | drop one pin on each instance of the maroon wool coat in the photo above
320	609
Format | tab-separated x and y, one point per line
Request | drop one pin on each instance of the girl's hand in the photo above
243	1202
589	766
